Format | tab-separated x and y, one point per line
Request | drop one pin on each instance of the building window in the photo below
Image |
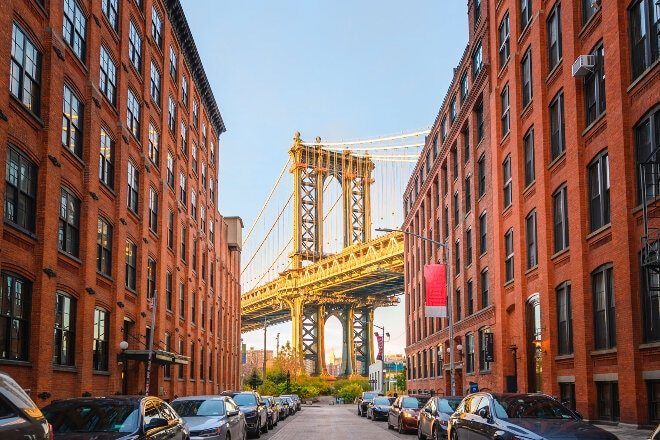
151	277
20	190
64	341
168	291
604	308
457	257
170	169
466	143
133	187
589	8
108	76
180	372
133	115
193	307
607	394
507	182
202	218
25	76
193	205
211	237
650	304
477	12
192	361
156	27
75	25
464	86
504	37
182	301
173	73
484	288
647	143
171	115
167	371
528	145
557	142
483	234
104	247
564	319
15	312
468	246
110	10
452	110
477	61
101	330
456	209
170	229
459	309
194	156
203	173
599	191
504	102
195	113
443	128
469	353
554	36
525	14
72	122
508	255
470	297
184	138
154	145
560	217
69	225
644	27
135	47
653	393
532	254
567	394
183	243
153	210
468	194
184	90
479	114
481	169
107	160
446	221
483	364
193	258
526	72
454	161
131	265
154	89
594	87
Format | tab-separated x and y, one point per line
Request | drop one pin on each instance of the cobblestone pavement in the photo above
323	420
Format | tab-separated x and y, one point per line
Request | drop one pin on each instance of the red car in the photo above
404	412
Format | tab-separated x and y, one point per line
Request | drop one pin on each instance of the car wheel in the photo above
389	425
436	433
401	428
454	435
257	430
228	436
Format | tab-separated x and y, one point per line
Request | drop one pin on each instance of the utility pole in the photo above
277	347
265	327
151	343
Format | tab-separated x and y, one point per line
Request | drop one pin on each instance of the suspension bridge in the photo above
310	254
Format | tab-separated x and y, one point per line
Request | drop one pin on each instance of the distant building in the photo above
109	132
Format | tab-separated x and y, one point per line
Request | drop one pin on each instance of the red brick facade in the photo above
77	268
563	223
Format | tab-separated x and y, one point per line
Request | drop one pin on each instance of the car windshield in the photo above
199	407
382	401
267	402
532	407
368	396
245	399
98	416
414	402
448	405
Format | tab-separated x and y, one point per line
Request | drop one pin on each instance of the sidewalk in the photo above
626	432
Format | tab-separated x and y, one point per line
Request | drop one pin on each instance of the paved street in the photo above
339	422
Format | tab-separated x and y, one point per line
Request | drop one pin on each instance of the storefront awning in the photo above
157	356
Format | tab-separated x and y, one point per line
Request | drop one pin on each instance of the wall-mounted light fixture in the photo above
50	272
459	347
90	290
87	394
44	395
143	314
120	304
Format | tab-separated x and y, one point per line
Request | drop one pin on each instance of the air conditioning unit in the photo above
584	65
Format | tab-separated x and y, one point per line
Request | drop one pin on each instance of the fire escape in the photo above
649	174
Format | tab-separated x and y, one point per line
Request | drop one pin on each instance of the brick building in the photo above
549	252
107	106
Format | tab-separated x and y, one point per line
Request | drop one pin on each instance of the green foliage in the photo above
255	380
350	391
362	383
401	381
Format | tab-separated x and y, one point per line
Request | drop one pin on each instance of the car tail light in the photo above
50	431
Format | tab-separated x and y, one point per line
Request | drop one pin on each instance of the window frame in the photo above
130	266
69	223
107	159
531	239
504	34
594	87
557	131
526	75
73	111
508	256
21	190
564	319
64	331
553	25
27	69
135	47
104	247
74	28
598	177
560	218
100	357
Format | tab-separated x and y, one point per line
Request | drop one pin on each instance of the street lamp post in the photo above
383	359
450	324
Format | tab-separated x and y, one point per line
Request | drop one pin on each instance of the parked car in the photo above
273	410
115	417
404	411
20	418
254	408
211	417
531	416
289	404
296	401
655	435
284	407
434	416
363	402
378	407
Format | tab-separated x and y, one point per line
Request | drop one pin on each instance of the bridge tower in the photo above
312	166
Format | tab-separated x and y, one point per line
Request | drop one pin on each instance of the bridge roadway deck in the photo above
341	422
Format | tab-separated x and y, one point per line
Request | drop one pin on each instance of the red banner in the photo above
435	276
381	344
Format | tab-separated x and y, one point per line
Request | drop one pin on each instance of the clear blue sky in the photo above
342	69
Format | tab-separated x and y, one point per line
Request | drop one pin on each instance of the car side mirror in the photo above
232	413
396	405
484	413
156	422
428	410
579	414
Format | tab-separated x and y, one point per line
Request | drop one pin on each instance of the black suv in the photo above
254	408
363	402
